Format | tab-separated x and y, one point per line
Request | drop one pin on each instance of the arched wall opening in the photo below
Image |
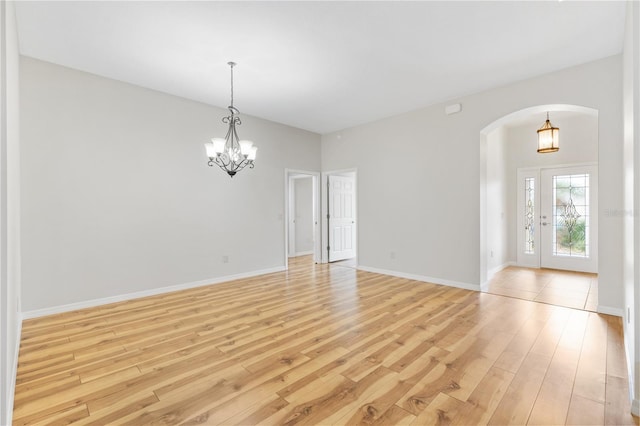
515	132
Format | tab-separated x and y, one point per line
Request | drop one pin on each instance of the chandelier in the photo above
230	153
548	137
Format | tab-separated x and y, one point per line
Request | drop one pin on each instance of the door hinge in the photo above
328	216
328	248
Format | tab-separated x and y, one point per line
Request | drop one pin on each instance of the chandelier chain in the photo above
231	64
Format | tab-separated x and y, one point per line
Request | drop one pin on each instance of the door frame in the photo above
535	261
325	211
292	250
289	176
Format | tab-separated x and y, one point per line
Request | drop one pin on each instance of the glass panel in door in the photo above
571	215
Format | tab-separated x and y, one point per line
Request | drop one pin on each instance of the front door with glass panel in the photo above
557	218
569	218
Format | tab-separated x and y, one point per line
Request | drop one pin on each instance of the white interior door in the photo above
342	219
569	218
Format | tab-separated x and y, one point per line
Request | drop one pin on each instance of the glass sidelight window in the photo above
529	215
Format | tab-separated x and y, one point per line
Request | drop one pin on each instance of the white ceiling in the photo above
321	66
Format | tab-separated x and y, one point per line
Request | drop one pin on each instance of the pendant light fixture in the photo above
548	137
230	153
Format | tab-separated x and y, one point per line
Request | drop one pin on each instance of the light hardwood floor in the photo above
563	288
323	344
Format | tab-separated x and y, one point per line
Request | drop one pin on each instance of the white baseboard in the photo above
635	403
618	312
14	373
303	253
145	293
491	272
449	283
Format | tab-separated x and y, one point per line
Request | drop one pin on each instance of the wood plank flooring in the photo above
323	344
577	290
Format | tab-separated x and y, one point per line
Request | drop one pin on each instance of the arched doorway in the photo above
511	167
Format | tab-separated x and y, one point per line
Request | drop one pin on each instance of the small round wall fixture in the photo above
548	137
231	154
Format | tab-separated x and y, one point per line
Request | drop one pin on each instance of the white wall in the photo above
303	188
10	277
578	144
496	193
117	196
630	214
418	176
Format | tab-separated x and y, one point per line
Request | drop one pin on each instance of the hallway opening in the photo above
539	212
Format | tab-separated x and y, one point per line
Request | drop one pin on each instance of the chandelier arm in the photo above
219	164
234	136
224	169
242	164
228	166
236	139
232	167
220	161
231	126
